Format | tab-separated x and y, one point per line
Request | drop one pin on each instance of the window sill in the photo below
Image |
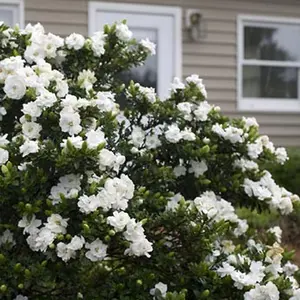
269	105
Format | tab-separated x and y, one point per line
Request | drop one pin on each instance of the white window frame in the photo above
262	104
17	8
173	11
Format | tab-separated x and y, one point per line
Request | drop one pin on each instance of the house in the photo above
248	52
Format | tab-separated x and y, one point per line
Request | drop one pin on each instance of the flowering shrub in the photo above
96	203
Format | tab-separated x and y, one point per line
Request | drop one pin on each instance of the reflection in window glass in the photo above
6	16
146	74
270	82
280	42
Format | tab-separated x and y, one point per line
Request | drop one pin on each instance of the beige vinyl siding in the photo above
214	58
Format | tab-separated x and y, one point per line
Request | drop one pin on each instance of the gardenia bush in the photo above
98	203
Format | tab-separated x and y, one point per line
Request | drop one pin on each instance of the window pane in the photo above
6	16
270	82
280	42
146	74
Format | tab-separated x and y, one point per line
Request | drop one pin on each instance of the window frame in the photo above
263	104
17	8
174	11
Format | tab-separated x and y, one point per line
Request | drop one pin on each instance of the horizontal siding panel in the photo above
225	106
65	30
209	72
291	130
56	17
57	5
206	60
286	141
217	37
209	49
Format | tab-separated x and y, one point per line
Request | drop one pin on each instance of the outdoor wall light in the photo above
195	25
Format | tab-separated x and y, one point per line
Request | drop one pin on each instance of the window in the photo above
268	64
12	12
161	24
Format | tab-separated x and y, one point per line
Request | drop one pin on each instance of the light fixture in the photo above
195	24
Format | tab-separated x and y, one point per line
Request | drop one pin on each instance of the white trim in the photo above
270	63
262	104
269	105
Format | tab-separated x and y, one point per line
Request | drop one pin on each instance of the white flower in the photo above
70	103
30	226
296	295
194	79
263	292
140	247
41	240
21	297
150	47
119	220
179	171
76	243
152	141
61	88
289	269
177	85
233	134
105	102
185	108
281	155
95	138
64	252
75	41
86	79
4	155
148	92
245	164
225	270
57	224
7	238
173	134
174	202
31	130
3	112
34	53
202	111
134	231
15	87
70	121
76	141
276	230
29	147
242	227
137	136
88	204
250	122
106	158
188	135
45	99
97	250
32	109
3	140
98	41
163	288
198	168
123	32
